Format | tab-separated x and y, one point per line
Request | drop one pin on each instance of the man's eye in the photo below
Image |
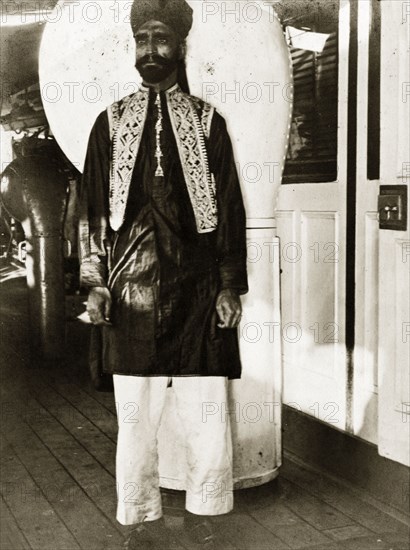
141	41
162	41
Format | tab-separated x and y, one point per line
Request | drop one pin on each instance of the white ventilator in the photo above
237	60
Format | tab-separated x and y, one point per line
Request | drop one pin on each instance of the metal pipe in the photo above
34	192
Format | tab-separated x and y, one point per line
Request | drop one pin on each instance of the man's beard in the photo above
153	74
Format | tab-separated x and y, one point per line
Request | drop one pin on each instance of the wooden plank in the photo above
90	475
106	399
21	384
101	447
94	478
342	499
275	515
245	533
47	404
288	526
300	535
36	517
313	510
176	524
376	542
11	537
346	533
257	497
90	527
98	414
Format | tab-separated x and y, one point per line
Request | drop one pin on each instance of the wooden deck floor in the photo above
57	469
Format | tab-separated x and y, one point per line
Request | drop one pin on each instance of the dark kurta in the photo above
163	275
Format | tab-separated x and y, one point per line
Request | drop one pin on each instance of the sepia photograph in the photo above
204	274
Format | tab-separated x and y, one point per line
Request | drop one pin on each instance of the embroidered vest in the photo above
127	120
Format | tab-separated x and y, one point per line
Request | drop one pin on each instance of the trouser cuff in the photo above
128	514
207	506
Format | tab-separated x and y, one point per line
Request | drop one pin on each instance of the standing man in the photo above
163	252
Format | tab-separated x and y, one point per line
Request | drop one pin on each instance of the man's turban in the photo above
177	14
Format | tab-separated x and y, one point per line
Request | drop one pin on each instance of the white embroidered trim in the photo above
190	137
206	119
128	125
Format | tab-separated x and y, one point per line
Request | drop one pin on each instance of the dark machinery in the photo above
33	190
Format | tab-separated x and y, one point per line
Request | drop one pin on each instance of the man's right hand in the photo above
99	306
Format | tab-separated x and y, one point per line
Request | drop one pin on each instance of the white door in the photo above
382	331
311	221
394	246
366	379
366	393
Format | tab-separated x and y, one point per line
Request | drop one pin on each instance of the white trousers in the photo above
140	402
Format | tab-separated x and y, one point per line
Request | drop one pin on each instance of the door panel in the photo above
394	246
311	226
394	356
313	302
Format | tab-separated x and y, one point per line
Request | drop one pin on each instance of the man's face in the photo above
158	49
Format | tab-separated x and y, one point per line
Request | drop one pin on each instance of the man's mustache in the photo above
157	59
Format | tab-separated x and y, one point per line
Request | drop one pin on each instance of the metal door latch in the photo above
392	207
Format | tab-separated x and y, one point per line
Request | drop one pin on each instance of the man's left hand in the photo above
229	309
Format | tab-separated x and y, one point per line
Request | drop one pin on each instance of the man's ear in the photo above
182	50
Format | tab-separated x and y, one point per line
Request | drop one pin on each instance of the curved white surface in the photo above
237	59
86	63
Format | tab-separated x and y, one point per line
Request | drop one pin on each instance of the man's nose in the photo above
150	46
